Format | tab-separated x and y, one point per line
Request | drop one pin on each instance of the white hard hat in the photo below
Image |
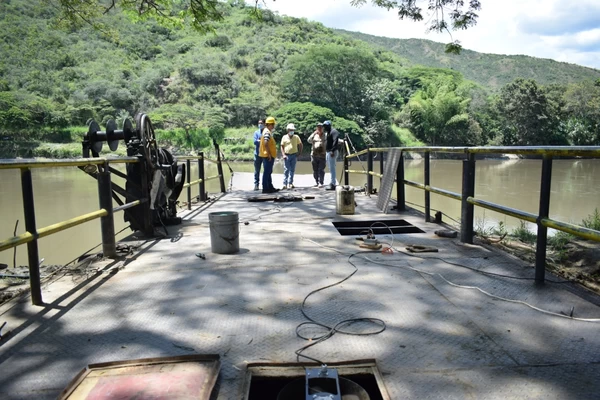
291	127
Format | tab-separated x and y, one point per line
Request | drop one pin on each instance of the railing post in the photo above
188	166
346	167
427	183
32	247
381	167
201	176
400	196
542	231
107	223
147	211
220	167
369	170
468	190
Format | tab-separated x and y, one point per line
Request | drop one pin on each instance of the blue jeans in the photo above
267	182
331	163
257	163
289	167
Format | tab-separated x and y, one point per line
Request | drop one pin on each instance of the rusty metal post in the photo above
400	195
468	190
147	212
542	231
32	247
381	168
427	182
188	167
107	223
220	167
201	176
346	167
369	170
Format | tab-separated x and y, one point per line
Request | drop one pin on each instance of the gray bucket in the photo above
224	232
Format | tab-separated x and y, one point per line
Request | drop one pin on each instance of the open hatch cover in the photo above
181	377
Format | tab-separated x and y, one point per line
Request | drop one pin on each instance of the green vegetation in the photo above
489	70
523	234
197	88
592	221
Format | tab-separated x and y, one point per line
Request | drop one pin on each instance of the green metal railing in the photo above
467	197
105	213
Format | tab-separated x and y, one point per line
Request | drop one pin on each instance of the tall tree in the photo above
331	76
527	116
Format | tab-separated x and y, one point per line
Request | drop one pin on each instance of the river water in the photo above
63	193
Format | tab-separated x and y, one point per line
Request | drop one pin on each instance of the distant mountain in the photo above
489	70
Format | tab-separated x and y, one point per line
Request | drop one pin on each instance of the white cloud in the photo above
556	29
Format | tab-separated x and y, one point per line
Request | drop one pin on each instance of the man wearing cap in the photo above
257	159
268	152
331	147
318	154
291	146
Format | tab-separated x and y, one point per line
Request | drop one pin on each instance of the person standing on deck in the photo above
291	146
257	159
268	152
318	154
331	148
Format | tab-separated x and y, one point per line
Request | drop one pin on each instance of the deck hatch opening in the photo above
356	228
358	379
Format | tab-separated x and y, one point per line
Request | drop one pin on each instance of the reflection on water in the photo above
63	193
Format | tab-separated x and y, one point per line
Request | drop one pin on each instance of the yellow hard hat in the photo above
270	120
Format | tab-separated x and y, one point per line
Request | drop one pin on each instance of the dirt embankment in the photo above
578	261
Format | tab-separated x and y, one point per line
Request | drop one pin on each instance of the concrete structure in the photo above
444	338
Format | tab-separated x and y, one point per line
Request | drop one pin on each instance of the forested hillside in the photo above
489	70
53	80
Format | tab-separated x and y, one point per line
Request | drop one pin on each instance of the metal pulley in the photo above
93	129
95	138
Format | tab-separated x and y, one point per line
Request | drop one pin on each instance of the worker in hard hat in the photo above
318	154
291	146
257	160
268	152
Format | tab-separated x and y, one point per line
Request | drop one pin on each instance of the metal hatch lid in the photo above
181	377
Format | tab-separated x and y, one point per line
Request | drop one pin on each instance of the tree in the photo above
184	122
438	113
443	15
331	76
304	116
526	114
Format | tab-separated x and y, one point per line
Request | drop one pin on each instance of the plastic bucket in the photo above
224	232
344	200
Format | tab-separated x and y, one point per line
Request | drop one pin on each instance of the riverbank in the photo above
568	256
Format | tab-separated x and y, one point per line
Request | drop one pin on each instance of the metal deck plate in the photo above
183	377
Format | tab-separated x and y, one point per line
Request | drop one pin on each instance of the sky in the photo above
563	30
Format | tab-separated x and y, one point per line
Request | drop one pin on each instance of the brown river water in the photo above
64	193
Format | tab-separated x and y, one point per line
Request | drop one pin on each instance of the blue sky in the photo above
562	30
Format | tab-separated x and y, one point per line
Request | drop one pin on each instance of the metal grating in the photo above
389	176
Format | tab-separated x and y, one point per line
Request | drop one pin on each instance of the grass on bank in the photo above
558	242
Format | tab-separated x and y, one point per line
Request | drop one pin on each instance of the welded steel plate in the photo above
389	176
183	377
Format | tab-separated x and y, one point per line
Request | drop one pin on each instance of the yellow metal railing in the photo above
107	211
467	197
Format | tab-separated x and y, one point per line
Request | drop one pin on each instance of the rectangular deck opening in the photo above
287	381
379	227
